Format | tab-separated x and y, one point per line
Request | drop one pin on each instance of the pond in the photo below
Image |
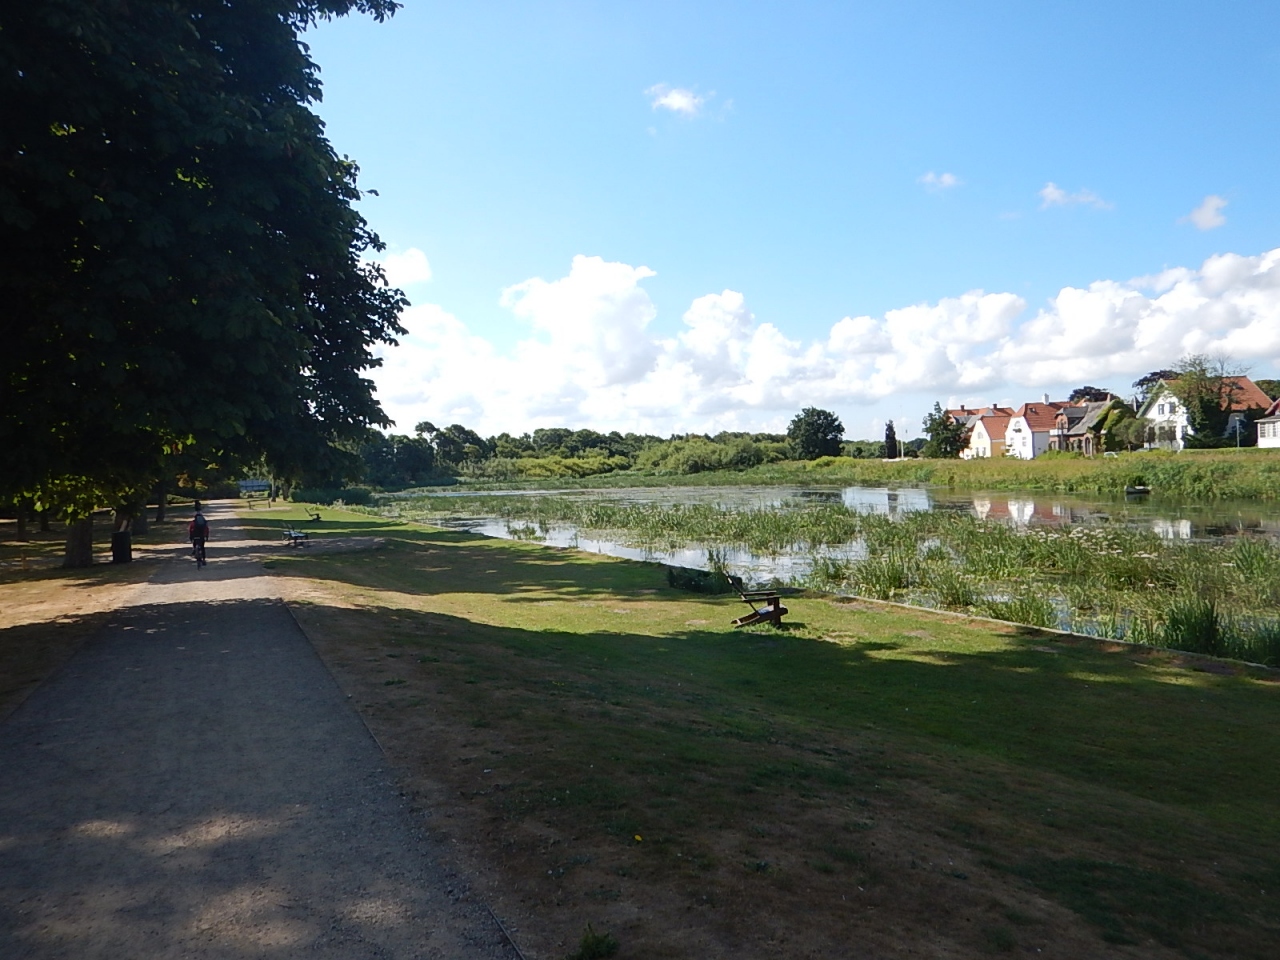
1197	577
488	514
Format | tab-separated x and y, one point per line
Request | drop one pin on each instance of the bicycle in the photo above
197	550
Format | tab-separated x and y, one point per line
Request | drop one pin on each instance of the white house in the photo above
1168	414
1269	426
1030	428
987	436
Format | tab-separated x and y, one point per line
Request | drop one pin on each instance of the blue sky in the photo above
864	207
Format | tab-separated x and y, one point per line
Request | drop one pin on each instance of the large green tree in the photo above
815	433
183	268
1207	388
947	437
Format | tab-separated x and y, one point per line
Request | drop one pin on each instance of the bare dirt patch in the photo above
46	613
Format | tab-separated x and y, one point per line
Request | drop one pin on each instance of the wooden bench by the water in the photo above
295	537
766	607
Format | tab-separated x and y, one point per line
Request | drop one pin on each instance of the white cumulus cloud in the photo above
1209	214
676	99
939	181
1052	195
406	269
585	354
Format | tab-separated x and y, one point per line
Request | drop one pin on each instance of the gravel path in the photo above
193	784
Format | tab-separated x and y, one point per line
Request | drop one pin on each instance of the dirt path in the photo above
193	784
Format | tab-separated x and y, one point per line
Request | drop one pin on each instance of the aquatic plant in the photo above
1108	579
1034	609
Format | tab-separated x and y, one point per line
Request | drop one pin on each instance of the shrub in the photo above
594	946
358	496
209	490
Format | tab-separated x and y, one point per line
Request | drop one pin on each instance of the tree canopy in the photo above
1087	394
947	437
1148	381
815	433
182	260
1205	387
890	441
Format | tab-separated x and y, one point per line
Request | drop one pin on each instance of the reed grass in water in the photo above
1111	580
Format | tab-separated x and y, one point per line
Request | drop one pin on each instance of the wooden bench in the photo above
314	516
295	537
766	607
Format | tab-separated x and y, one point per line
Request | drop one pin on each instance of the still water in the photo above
1170	520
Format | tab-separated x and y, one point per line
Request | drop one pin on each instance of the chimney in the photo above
1046	398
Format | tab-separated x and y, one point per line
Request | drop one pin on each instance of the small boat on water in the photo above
1137	491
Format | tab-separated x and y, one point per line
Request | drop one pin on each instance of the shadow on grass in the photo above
1101	717
415	562
675	736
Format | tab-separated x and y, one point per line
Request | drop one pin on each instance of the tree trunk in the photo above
162	497
44	521
21	511
138	522
79	552
121	538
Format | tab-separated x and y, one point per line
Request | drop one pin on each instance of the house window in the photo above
1173	408
1160	409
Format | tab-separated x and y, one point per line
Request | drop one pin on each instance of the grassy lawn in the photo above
869	781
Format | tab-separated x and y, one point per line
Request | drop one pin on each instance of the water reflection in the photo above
1171	521
878	500
1172	529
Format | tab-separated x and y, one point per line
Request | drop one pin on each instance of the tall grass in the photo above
1107	579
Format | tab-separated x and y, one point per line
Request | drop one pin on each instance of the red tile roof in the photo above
995	425
1247	395
1041	416
977	411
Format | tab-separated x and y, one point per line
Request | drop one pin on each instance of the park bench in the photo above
766	607
295	537
314	516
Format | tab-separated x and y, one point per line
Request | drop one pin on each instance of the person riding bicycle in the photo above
198	531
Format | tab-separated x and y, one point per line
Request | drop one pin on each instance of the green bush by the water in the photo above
357	496
699	455
545	468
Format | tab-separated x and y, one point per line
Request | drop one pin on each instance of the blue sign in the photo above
255	486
